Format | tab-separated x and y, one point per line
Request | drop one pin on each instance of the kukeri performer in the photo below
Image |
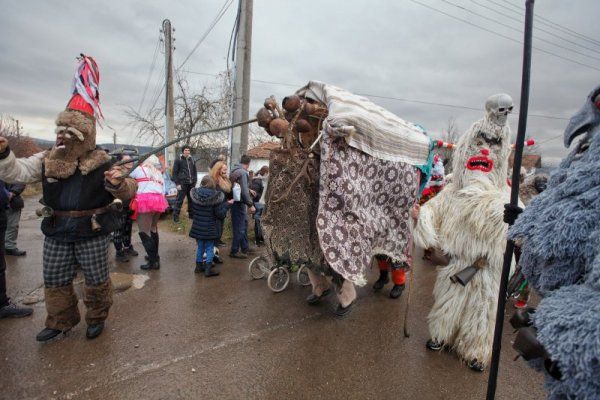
465	221
79	189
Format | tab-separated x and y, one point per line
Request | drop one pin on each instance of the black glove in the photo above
511	213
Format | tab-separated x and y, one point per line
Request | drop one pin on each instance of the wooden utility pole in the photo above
169	106
241	88
18	128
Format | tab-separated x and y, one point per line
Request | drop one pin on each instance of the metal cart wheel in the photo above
302	276
278	279
258	267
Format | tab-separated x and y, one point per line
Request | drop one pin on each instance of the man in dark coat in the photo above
13	215
185	177
7	308
239	176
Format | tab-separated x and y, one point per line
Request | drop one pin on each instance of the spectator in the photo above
7	308
239	178
221	157
13	215
148	204
257	189
208	208
222	183
185	177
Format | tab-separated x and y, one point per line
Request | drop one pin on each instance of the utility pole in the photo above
18	128
241	88
169	109
115	139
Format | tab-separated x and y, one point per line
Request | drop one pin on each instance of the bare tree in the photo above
20	144
449	135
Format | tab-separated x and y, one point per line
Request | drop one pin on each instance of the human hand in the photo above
3	144
178	187
252	193
416	210
230	201
10	196
114	175
252	210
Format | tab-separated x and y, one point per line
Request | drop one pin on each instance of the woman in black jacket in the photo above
208	208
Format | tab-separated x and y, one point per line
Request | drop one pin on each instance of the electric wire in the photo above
297	86
517	29
149	74
503	36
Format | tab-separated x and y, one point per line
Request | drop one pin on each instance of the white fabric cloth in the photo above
369	127
148	181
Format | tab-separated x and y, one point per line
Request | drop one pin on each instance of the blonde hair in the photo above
222	182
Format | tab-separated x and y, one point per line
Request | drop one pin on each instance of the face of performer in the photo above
68	139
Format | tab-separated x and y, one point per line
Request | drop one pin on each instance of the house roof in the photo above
263	150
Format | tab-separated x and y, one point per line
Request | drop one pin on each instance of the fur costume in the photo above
74	187
559	234
465	221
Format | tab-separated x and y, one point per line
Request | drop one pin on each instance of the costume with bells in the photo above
79	214
465	221
559	234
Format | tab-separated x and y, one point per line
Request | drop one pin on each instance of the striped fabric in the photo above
369	127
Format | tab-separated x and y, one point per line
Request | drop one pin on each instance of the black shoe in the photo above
11	310
475	365
15	252
314	299
94	330
433	345
238	255
381	282
199	267
130	251
396	291
121	256
343	311
47	334
150	265
217	259
208	271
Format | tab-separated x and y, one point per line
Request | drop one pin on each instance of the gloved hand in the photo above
511	213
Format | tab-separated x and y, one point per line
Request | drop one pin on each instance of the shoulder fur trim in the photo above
92	160
59	168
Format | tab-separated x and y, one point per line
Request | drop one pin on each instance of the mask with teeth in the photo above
481	154
75	137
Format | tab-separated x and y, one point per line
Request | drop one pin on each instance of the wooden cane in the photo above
410	285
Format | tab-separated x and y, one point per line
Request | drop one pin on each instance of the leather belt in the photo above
81	213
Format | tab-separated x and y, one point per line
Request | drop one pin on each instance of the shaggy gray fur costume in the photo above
560	234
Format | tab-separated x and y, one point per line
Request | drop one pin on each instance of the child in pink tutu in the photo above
149	204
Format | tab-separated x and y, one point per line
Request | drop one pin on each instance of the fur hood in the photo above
206	196
59	168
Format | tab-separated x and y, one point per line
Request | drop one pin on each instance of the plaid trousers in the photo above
60	260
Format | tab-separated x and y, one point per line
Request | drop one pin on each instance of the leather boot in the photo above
98	300
156	239
383	279
200	267
149	246
208	271
63	314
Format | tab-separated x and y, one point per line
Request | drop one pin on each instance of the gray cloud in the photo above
395	49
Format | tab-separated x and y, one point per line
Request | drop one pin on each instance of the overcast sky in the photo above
395	49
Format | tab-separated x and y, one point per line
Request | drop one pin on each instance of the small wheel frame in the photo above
258	267
302	276
278	279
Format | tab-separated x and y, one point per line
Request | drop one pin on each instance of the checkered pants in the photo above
61	259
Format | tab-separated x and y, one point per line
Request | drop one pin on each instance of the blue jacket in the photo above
207	207
3	196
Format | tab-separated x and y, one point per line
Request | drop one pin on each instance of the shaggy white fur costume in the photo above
465	220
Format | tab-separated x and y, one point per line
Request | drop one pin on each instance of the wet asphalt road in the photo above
183	336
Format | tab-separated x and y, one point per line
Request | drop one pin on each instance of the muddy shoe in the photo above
150	265
475	365
343	311
199	267
381	282
12	311
434	345
396	291
121	256
208	272
238	255
314	299
94	330
47	334
130	251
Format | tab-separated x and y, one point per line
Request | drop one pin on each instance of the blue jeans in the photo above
208	247
238	222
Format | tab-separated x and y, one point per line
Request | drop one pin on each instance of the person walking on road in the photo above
241	201
13	215
185	177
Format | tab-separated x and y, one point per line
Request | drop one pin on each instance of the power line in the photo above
297	86
517	29
501	35
560	27
520	20
149	74
220	14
